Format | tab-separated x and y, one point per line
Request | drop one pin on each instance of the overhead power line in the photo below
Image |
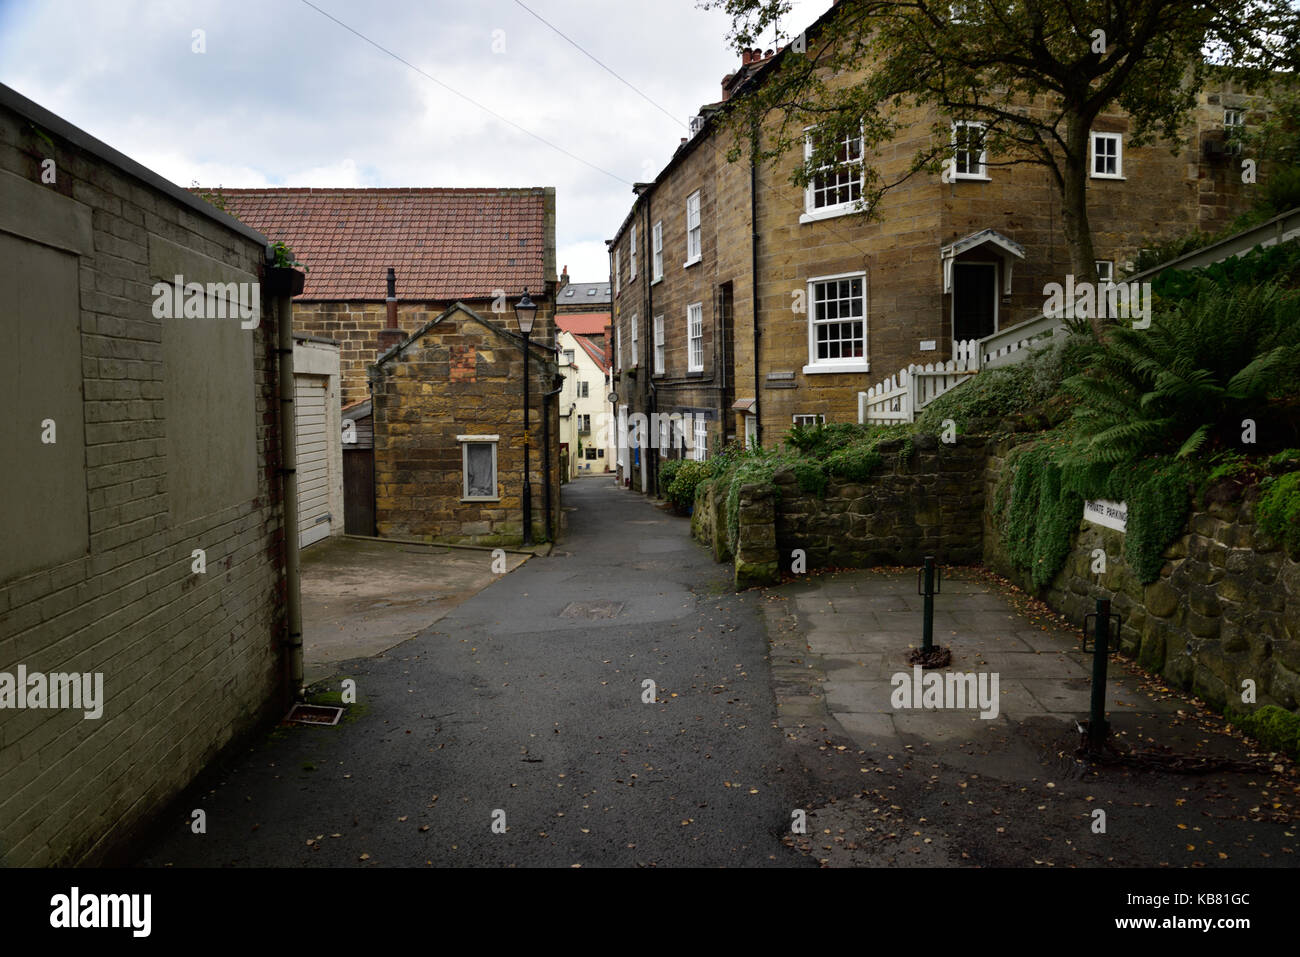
466	98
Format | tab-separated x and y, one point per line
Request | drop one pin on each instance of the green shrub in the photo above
1278	510
667	472
854	463
1282	191
1278	199
819	441
681	493
1011	389
1189	379
810	476
1278	264
1274	727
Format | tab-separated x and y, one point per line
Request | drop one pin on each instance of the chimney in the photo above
392	335
564	277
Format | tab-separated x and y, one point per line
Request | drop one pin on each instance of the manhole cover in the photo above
314	714
592	609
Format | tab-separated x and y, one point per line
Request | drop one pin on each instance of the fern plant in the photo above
1202	366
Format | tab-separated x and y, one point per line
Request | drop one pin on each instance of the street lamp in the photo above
526	312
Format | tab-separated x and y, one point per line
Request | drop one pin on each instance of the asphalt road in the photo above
524	706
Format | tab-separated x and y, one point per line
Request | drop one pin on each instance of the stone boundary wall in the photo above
1225	608
929	504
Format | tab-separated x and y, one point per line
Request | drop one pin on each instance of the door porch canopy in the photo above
1007	250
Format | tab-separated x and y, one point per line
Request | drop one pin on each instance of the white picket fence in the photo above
1012	345
901	396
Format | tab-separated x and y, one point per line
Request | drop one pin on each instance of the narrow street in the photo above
528	699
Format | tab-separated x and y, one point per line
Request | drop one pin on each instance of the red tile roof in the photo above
444	244
597	354
583	323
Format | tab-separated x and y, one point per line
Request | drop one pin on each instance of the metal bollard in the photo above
1097	726
927	585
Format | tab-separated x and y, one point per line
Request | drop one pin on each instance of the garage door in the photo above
313	460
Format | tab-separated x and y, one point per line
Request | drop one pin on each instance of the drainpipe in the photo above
652	395
546	444
289	492
753	293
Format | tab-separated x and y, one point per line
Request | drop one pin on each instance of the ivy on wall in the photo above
1041	503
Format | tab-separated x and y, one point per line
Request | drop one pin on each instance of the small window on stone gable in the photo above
478	467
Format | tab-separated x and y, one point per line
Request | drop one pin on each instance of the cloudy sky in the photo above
285	96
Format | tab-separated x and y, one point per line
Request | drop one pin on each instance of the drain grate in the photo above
592	609
314	714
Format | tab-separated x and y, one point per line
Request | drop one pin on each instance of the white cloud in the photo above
291	98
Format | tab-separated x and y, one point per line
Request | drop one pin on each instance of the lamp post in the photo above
526	312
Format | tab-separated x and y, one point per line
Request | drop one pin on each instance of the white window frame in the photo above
817	366
636	352
569	356
659	344
694	238
618	347
1234	129
812	213
657	254
1118	139
695	341
584	389
631	253
584	423
618	265
466	441
751	431
700	439
983	165
817	418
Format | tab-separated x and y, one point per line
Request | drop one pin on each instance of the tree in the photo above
1036	73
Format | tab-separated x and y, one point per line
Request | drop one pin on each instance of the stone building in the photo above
449	435
579	298
435	341
476	246
584	406
842	303
143	535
